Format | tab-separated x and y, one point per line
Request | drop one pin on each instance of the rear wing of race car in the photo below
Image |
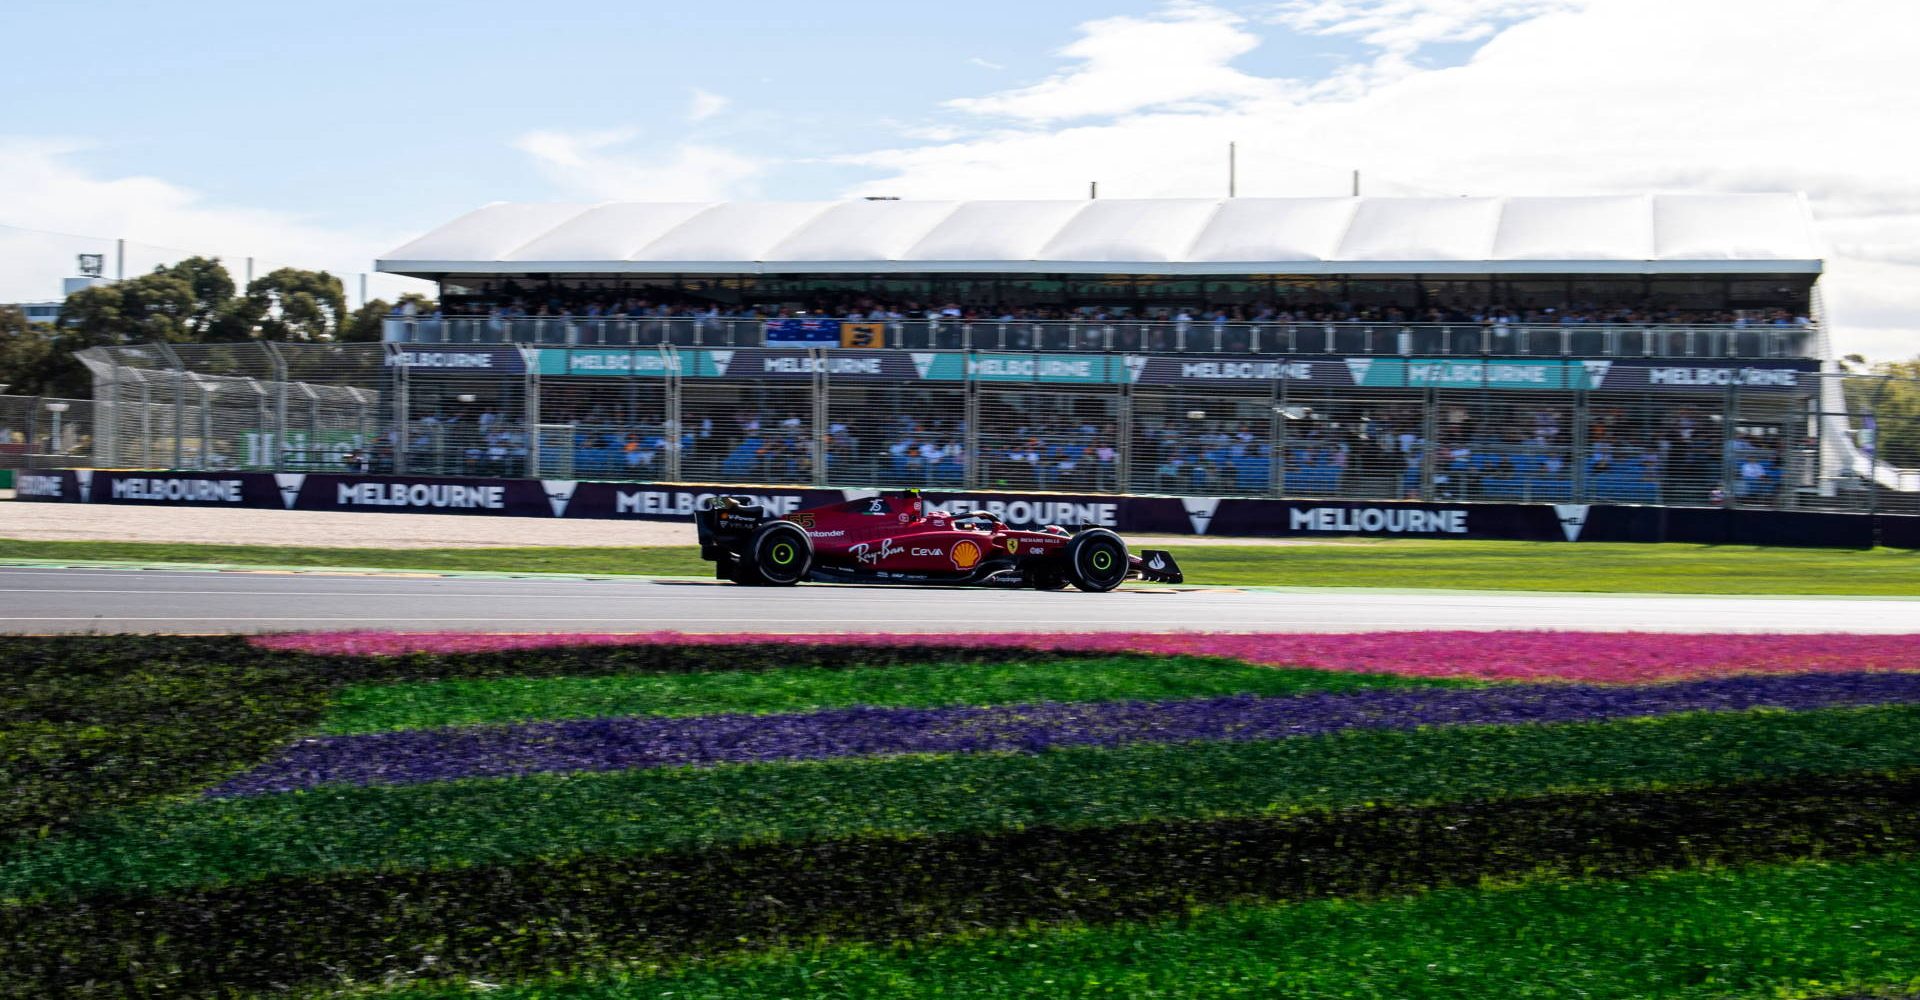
725	519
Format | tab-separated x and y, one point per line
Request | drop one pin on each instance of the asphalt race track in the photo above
42	600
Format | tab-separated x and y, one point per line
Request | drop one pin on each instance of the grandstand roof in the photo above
1637	234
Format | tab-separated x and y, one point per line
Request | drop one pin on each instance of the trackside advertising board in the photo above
1251	518
1130	369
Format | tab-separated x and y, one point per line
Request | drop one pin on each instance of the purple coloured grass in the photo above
625	743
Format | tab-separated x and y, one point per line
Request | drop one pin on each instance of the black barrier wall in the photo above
1256	518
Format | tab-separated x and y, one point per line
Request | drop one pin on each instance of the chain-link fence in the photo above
1488	429
44	432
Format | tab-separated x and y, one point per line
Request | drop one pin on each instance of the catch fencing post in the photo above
179	402
1581	413
530	360
674	431
1277	440
971	416
820	417
402	431
1430	430
277	440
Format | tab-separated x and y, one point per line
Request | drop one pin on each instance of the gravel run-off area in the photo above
223	526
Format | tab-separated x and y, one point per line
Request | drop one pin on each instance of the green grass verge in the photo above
1390	563
380	707
519	922
1768	932
636	812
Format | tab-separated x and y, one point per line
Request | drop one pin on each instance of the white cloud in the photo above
50	197
984	63
605	165
1177	58
1572	98
705	105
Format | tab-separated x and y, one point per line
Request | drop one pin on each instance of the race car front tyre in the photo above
778	555
1096	560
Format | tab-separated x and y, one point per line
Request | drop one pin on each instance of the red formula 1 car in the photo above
894	538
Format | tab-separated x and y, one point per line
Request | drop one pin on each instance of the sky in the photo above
321	136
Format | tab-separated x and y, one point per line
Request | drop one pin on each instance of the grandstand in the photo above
1661	349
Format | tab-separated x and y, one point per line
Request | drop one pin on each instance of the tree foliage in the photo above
1896	412
292	304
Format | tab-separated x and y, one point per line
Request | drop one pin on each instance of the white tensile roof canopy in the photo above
1630	234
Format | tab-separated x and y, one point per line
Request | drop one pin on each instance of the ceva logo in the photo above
1573	518
559	494
289	483
1200	511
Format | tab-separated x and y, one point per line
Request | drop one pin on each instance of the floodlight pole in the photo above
1356	184
1093	190
1233	169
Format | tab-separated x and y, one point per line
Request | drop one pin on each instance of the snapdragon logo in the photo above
559	494
1573	518
1200	512
289	484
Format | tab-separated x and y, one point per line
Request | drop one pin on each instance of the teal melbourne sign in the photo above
642	362
1459	373
1054	368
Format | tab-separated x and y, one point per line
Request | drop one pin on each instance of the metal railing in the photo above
1560	431
1199	336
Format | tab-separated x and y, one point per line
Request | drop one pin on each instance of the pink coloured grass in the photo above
1590	657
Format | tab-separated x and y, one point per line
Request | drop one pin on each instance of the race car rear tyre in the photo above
1096	560
778	555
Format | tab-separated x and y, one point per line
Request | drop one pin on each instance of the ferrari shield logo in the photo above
965	554
1013	545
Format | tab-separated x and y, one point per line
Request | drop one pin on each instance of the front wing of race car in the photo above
1157	566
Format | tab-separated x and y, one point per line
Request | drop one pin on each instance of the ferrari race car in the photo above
894	538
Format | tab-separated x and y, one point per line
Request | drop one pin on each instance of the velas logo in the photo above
1596	372
559	494
1358	368
965	554
84	479
721	359
289	484
923	363
1573	518
1135	365
1200	511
